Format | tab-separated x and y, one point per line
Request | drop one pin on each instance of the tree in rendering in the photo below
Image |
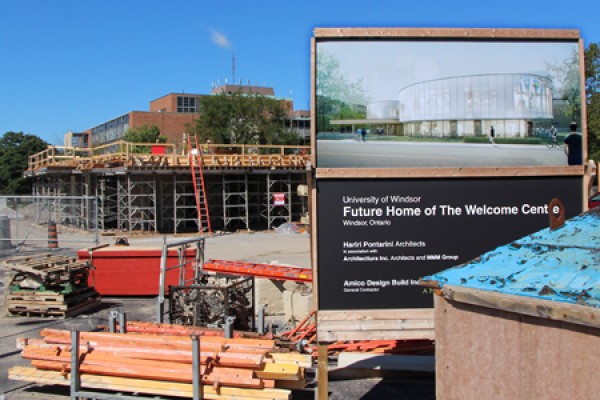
592	88
338	97
15	148
241	118
567	84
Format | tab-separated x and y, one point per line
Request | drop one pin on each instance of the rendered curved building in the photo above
470	105
385	109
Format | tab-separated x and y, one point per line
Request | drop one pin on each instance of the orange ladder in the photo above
196	163
263	270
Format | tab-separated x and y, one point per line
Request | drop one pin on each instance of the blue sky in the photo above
69	65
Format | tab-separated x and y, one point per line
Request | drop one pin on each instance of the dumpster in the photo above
134	271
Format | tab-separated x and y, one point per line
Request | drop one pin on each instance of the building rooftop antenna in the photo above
233	66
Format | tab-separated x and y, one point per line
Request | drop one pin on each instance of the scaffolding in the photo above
235	200
108	208
279	199
156	193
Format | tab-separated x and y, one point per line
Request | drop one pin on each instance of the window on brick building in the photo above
186	104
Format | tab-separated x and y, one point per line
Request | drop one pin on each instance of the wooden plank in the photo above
322	371
377	325
546	309
459	33
284	372
47	297
57	310
314	248
356	315
466	172
302	360
405	324
129	385
332	336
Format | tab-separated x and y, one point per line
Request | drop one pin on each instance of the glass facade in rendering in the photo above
386	109
470	105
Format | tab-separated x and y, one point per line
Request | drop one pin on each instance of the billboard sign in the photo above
430	148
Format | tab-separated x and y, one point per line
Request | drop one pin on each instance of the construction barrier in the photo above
52	236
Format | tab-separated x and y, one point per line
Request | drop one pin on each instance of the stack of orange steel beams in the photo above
161	364
186	330
412	347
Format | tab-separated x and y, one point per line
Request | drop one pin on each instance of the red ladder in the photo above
263	270
196	163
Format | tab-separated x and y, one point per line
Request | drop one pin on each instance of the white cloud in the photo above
220	39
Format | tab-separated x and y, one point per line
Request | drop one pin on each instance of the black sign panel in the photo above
376	238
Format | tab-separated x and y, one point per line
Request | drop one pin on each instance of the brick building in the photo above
173	114
156	192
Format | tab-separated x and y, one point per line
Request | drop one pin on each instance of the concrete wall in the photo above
286	301
482	353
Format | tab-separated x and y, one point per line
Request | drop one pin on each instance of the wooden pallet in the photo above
50	304
49	297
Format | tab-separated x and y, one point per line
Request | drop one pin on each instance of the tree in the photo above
144	134
15	148
337	96
240	118
566	80
592	88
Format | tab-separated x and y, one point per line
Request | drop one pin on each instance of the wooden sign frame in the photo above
377	324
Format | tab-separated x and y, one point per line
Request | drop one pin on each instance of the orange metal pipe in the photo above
169	329
300	324
158	348
222	359
161	371
163	340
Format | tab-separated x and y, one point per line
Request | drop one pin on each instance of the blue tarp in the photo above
560	265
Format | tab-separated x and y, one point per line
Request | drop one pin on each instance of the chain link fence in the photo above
42	223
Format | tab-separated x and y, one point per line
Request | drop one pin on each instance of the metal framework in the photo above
155	192
235	200
279	199
30	221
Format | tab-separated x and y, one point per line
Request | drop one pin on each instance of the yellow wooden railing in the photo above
170	155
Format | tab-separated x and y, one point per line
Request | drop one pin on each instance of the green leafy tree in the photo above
240	118
144	134
338	97
15	148
592	88
567	83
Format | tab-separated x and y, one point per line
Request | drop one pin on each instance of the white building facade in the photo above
471	105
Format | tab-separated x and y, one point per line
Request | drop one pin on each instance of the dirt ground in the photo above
263	247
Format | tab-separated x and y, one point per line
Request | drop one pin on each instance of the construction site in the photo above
222	306
167	188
